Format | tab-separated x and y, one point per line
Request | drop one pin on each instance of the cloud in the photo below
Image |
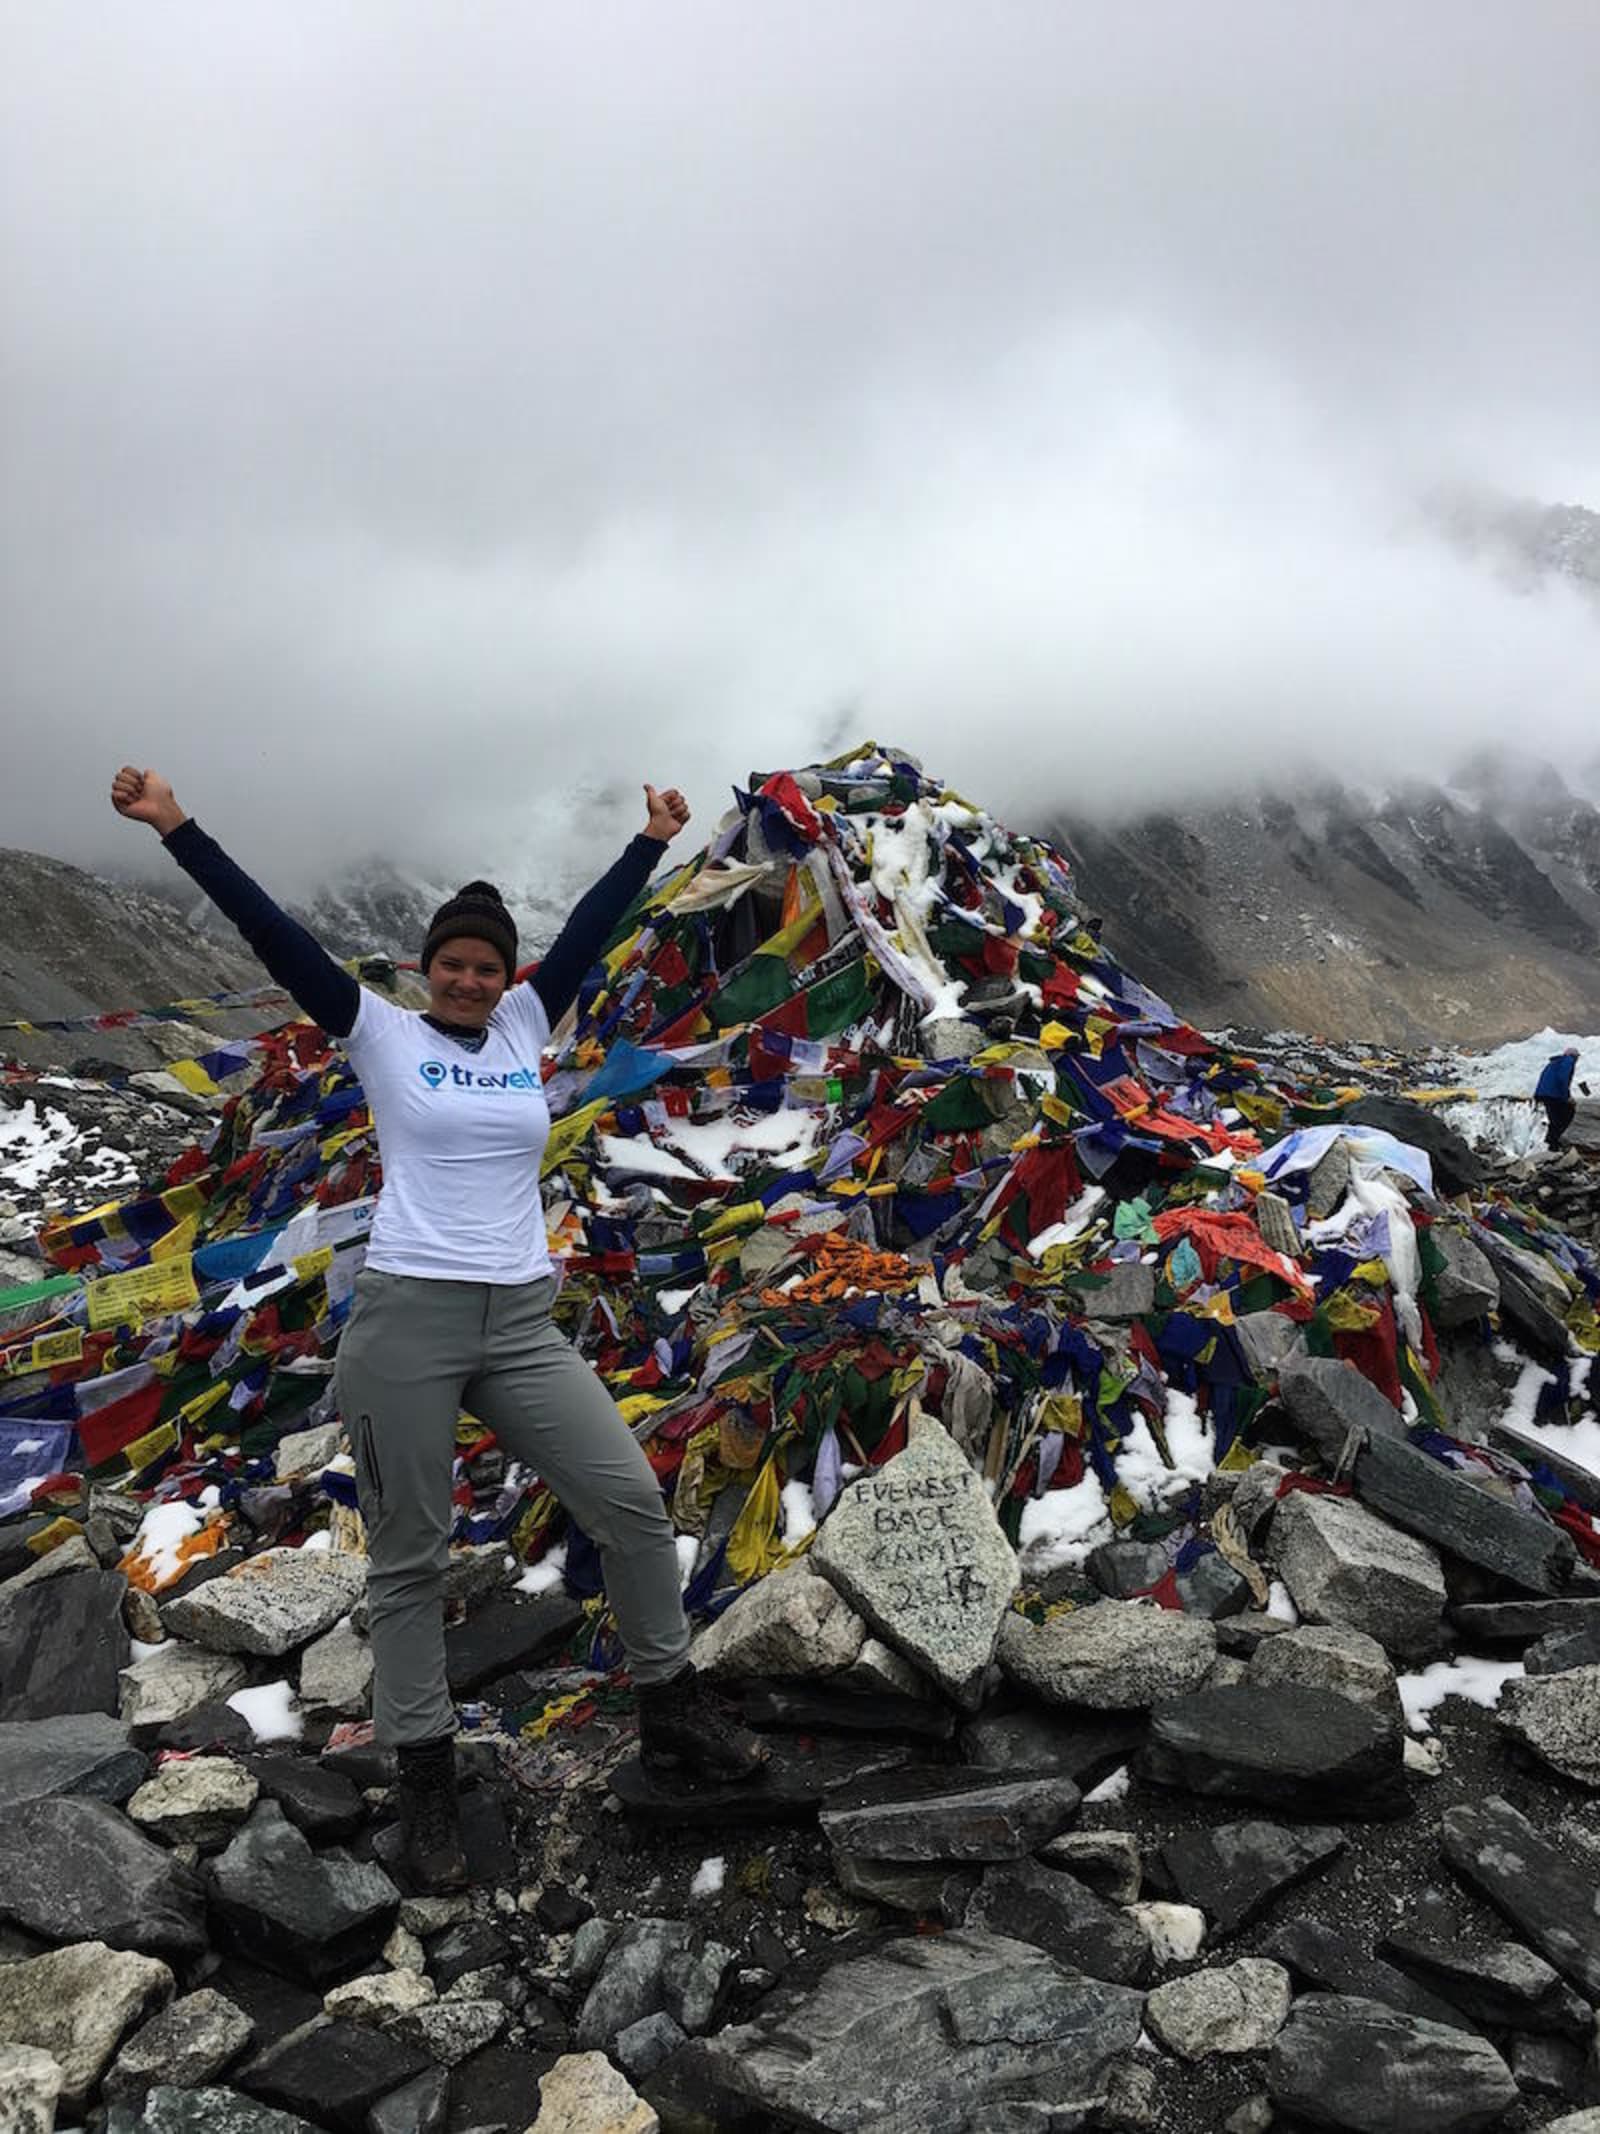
421	427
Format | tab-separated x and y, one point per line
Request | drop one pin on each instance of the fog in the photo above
421	425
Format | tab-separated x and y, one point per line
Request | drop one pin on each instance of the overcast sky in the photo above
415	414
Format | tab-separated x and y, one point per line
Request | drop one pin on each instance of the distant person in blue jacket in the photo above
1554	1092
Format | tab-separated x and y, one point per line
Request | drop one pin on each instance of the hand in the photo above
145	796
669	811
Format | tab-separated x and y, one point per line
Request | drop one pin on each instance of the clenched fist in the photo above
145	796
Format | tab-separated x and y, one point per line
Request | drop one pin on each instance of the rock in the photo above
1233	1871
62	1645
1418	1493
420	2106
561	1911
76	2004
1242	1636
915	1548
269	1604
73	1554
1457	1168
201	1802
822	1708
1083	1746
177	1680
879	1671
692	1979
1113	1655
1328	1656
452	2031
791	1623
1561	1650
630	1984
1254	2116
922	2033
1558	1718
1322	1957
508	1633
30	2083
1238	2009
1303	1750
643	2046
1345	2062
378	1997
779	1793
1268	1340
85	1754
307	1452
187	2044
1176	1932
1133	2100
213	1728
336	1673
1502	1987
936	1892
1043	1906
331	2073
1126	1291
1275	1220
1343	1565
1329	1181
1537	1326
1519	1622
316	1800
1551	2067
470	1945
936	1813
1123	1568
71	1868
1466	1287
204	2111
308	1914
1551	1903
1106	1861
1585	2122
584	2094
1326	1399
1212	1588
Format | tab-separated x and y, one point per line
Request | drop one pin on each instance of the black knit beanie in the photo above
476	911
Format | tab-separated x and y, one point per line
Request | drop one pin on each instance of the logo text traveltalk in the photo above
436	1074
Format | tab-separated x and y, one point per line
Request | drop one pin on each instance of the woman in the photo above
452	1309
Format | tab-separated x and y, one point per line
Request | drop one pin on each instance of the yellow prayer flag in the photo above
142	1293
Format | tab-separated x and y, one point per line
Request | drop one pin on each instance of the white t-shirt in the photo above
461	1135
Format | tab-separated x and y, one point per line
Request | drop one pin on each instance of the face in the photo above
465	979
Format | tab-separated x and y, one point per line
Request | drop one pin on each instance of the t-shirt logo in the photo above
433	1072
437	1076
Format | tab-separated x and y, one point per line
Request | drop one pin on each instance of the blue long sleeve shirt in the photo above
330	996
1555	1083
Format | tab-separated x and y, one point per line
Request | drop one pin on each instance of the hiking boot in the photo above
687	1728
430	1825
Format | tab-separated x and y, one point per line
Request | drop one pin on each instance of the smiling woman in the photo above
453	1307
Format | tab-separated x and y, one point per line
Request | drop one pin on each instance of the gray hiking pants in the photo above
414	1354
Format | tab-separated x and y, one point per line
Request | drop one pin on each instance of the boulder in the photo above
792	1623
1327	1398
1520	1622
1457	1168
1112	1656
199	1802
1558	1718
322	1803
30	2084
1107	1861
87	1754
378	1997
168	2110
915	1547
1302	1750
1081	1745
1552	1902
62	1645
1126	1291
1176	1932
631	1983
187	2044
1426	1498
1563	1650
1321	1957
1233	1871
508	1632
71	1868
939	1813
331	2073
270	1604
1351	2063
450	2031
1344	1565
307	1914
1502	1986
336	1673
174	1681
1466	1287
1056	1913
77	2004
584	2094
420	2106
1329	1656
1239	2008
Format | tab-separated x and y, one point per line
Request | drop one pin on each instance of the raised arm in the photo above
329	995
595	915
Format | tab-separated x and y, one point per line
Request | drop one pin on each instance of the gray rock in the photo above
1342	1564
641	2048
1055	1913
792	1623
1563	1650
941	1813
926	2033
630	1984
1237	2009
1520	1622
378	1997
81	1753
269	1604
71	1868
187	2044
1254	2116
1255	1498
1126	1291
451	2031
175	1681
1344	2062
915	1547
308	1914
1321	1957
201	1801
1585	2122
1112	1656
1418	1493
76	2004
1302	1750
1466	1287
73	1554
1532	1882
1329	1181
1329	1656
1213	1588
1558	1718
1123	1568
307	1452
1107	1861
1268	1340
30	2083
584	2094
420	2106
1133	2100
331	2073
936	1892
62	1645
1502	1986
336	1673
1081	1745
1327	1399
168	2110
692	1980
879	1671
1233	1871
